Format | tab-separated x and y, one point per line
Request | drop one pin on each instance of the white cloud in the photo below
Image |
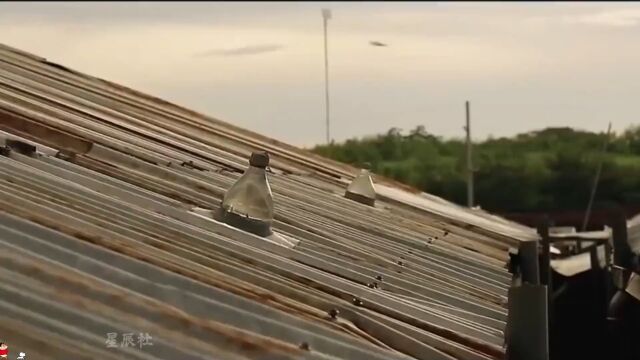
616	18
242	50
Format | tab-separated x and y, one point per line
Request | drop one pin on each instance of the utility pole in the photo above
592	196
326	15
467	128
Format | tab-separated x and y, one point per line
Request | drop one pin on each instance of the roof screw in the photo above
357	302
379	277
305	346
334	313
446	232
400	263
371	285
410	252
375	285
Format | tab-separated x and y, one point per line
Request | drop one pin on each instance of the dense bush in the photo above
548	170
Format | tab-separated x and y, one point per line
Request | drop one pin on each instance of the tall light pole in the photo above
326	15
467	128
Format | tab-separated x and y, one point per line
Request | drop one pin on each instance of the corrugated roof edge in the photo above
23	53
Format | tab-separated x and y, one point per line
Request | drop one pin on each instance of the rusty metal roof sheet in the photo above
104	230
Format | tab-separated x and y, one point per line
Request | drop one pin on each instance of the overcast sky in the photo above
523	66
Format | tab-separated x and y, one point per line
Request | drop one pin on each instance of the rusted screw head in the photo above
305	346
334	313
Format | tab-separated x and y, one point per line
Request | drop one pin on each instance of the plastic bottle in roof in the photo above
361	189
248	204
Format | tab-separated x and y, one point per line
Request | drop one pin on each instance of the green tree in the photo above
545	170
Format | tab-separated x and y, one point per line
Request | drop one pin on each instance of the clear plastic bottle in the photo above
362	189
248	204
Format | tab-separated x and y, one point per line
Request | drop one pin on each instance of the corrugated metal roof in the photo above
104	230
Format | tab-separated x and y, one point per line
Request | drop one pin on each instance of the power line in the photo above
596	180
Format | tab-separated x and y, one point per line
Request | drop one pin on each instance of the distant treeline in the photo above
542	171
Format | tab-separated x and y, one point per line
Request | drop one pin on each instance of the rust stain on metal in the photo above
46	135
15	328
247	342
276	301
